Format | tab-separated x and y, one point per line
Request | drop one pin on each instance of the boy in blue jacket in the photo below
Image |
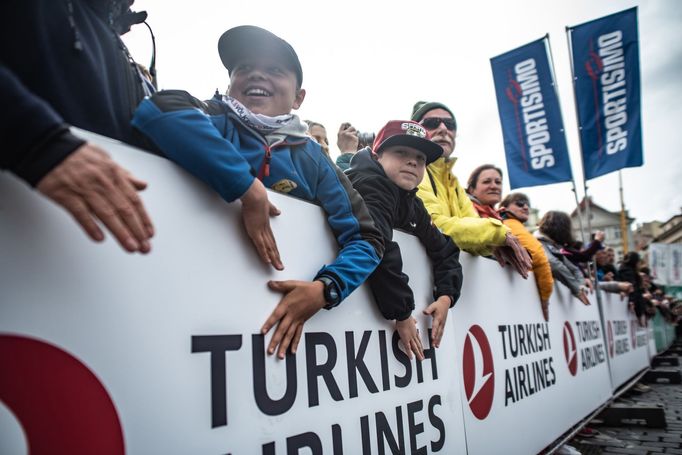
387	178
247	141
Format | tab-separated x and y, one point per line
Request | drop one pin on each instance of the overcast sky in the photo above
367	62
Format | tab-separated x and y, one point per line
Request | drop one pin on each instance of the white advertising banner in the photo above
627	342
525	381
651	340
665	261
658	262
675	268
109	353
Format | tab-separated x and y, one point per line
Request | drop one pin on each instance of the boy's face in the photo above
403	165
265	85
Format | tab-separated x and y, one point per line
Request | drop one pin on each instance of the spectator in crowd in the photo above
611	259
348	142
514	210
555	232
607	278
484	188
387	177
85	78
605	271
447	203
629	272
228	143
318	132
581	256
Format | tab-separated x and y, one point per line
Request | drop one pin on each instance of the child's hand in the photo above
256	213
409	335
439	310
302	299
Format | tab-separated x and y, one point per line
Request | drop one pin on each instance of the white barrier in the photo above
173	336
628	345
525	382
161	353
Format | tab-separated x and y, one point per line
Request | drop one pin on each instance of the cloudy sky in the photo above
367	62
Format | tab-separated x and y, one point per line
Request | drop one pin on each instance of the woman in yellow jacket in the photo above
514	210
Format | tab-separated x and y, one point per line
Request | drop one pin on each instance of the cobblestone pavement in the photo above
637	438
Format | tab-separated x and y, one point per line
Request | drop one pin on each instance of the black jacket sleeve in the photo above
443	253
388	283
34	137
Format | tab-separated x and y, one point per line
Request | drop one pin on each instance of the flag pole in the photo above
588	202
623	224
575	188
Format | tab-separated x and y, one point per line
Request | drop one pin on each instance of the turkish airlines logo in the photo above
69	413
570	349
478	372
609	334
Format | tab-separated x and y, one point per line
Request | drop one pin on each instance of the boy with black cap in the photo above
246	141
387	178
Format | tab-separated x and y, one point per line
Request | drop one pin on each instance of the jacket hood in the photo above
363	162
363	165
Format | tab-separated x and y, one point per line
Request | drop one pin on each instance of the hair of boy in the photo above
557	226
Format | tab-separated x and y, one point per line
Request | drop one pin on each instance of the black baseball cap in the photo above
246	40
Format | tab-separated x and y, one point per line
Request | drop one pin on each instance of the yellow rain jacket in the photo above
454	214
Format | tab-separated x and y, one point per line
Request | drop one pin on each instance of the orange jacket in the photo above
543	274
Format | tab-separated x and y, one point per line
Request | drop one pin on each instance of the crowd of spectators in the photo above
248	140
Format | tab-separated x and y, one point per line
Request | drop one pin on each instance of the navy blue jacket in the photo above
209	140
61	64
394	208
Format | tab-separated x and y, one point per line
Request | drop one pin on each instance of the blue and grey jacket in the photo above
209	140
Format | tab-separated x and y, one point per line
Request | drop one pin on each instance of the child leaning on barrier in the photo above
249	140
387	178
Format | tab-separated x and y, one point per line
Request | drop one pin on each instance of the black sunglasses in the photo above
432	123
522	203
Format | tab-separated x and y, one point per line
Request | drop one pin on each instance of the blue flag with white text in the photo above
605	55
532	127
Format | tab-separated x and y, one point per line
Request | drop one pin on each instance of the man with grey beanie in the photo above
448	204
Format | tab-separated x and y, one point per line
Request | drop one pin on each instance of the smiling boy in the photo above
387	178
249	140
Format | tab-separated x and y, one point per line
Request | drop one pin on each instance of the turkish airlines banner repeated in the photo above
517	369
533	130
605	56
627	342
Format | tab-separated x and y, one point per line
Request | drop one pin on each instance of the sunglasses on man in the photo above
432	123
521	204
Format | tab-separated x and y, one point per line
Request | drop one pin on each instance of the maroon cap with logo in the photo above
408	134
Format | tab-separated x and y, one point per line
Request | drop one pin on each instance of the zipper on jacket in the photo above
265	167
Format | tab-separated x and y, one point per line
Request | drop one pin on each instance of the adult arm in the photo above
39	148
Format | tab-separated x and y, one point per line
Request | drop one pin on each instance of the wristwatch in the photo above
331	292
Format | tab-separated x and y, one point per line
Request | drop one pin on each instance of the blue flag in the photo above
533	130
605	55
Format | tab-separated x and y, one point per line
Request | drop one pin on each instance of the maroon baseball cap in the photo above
409	134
